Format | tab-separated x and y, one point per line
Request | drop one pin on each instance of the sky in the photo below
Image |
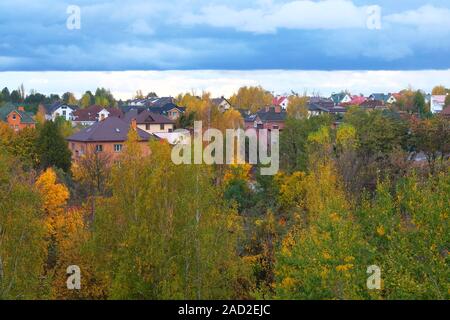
224	40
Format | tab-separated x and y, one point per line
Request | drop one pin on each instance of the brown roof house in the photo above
150	122
93	114
268	118
107	137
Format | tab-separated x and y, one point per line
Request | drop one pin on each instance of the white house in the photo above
60	110
281	101
437	103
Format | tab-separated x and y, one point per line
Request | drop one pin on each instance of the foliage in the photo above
251	98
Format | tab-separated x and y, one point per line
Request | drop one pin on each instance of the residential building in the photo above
281	101
16	117
93	114
437	103
372	104
150	122
378	97
342	97
393	98
222	103
60	109
272	117
169	110
106	137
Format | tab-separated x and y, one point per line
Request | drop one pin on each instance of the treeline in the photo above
346	198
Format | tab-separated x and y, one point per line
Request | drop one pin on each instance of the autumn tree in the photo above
87	99
22	235
439	90
298	107
179	242
251	98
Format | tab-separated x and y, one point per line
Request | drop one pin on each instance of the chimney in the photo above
277	109
21	108
133	124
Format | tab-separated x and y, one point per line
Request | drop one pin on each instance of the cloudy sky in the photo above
235	36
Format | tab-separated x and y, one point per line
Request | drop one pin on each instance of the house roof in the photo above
166	108
379	96
146	117
91	113
218	101
277	101
54	106
271	115
372	104
111	129
25	117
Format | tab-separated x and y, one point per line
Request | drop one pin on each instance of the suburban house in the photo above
106	137
222	103
437	103
339	98
93	114
272	117
169	110
60	109
281	101
356	101
393	98
378	97
150	122
373	104
16	117
446	112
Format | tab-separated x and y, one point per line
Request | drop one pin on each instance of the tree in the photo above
251	98
22	235
87	99
69	98
16	97
6	95
419	103
139	95
439	91
52	148
447	100
298	107
156	246
104	98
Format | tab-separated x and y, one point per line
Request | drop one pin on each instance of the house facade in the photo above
437	103
342	97
107	138
149	122
269	118
16	117
221	103
59	109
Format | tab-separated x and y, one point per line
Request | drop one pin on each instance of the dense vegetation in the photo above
346	198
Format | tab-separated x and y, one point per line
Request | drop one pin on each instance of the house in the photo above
446	112
106	137
149	121
339	98
393	98
281	101
173	138
169	110
60	109
271	117
16	117
372	104
222	103
93	114
355	101
437	103
378	97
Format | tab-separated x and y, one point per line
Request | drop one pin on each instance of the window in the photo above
161	126
14	116
147	127
117	148
275	126
170	130
99	148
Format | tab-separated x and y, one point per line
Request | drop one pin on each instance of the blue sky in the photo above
224	35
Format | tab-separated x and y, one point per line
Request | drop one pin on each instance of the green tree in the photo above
179	243
52	147
87	99
22	235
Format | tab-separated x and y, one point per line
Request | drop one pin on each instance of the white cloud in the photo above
268	17
424	17
141	27
124	84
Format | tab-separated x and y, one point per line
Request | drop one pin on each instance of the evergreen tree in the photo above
52	148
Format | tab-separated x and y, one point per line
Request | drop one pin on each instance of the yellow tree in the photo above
298	107
439	90
251	98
